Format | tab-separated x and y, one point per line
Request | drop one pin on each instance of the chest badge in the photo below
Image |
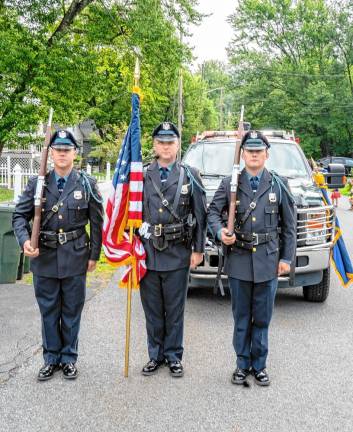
78	194
185	189
272	197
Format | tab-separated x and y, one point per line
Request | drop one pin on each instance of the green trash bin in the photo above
10	251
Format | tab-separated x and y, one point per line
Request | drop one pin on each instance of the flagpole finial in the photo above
137	72
137	53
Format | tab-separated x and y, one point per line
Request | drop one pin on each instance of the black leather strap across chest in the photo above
171	208
52	211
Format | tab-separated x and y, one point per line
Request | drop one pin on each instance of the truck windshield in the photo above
216	159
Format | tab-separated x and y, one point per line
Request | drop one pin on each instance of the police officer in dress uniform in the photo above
173	234
261	249
66	252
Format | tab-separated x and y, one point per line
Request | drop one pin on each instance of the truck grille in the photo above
315	227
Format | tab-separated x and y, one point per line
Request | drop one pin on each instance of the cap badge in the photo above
253	135
166	126
62	134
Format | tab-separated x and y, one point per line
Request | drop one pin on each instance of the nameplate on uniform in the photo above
78	194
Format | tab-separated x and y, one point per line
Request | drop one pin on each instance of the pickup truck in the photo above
212	154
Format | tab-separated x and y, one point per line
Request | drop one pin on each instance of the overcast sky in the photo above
211	38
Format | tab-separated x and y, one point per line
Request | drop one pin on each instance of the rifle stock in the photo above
235	176
40	185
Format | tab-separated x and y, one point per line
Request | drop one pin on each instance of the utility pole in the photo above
180	100
180	107
221	107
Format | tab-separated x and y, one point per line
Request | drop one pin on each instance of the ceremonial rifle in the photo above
235	175
40	185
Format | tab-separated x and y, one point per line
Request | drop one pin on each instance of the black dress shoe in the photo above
176	369
47	371
151	367
262	378
240	375
69	370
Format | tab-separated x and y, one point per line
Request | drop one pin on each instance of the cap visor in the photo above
255	147
62	146
166	138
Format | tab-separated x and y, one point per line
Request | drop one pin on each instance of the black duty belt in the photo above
52	239
168	231
179	232
247	240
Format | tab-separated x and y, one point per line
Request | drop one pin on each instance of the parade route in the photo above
309	363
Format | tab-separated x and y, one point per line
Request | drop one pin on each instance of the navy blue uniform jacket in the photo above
261	264
71	258
192	199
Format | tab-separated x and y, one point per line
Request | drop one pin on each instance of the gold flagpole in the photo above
128	315
129	286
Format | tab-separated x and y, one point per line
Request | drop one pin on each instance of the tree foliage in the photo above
78	57
292	65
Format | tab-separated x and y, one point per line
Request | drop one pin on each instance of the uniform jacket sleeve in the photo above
217	206
95	215
199	209
24	212
288	225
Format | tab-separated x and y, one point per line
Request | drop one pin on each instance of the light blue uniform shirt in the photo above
57	177
169	168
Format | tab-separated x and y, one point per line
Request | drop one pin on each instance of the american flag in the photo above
124	206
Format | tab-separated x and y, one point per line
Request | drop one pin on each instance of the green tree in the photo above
199	111
216	74
78	57
291	67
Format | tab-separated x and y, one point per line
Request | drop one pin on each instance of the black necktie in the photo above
163	173
61	184
254	182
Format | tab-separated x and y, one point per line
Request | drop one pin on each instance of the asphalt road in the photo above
310	363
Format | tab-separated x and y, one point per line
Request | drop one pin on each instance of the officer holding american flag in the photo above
173	234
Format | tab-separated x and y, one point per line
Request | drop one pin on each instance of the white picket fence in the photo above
7	176
16	178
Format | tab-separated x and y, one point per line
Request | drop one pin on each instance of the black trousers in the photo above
60	303
163	296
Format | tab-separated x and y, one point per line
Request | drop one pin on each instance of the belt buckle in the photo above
255	237
158	230
165	202
62	238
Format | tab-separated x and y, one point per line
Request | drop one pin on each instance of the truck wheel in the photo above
318	293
